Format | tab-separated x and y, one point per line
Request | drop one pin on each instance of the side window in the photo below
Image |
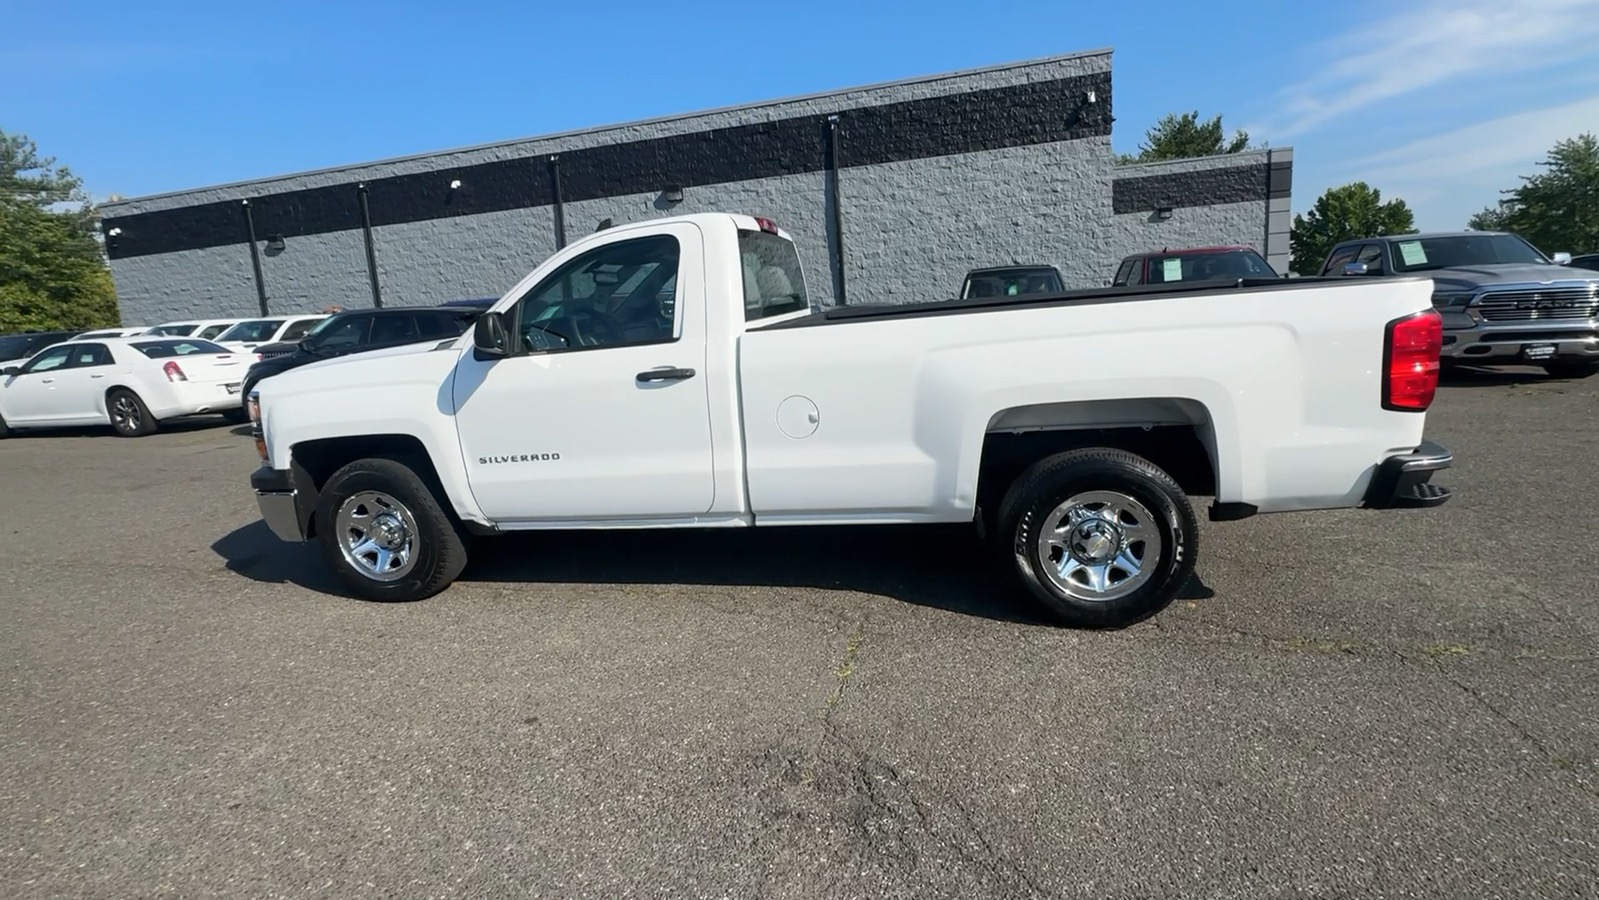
1124	273
86	356
608	297
1371	255
395	330
49	360
350	332
298	329
211	331
441	325
1341	255
1137	275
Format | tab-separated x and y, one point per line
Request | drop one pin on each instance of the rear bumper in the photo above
198	398
286	500
1405	480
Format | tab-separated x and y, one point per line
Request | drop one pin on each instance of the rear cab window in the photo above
773	282
167	349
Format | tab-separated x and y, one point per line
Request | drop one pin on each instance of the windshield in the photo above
1013	283
1206	266
176	330
253	331
1422	254
339	330
14	346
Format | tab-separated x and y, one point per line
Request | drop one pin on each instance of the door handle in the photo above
665	374
98	375
47	381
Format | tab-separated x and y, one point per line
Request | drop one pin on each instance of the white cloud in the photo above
1388	54
1516	141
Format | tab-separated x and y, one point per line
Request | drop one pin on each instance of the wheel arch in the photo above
1178	434
314	461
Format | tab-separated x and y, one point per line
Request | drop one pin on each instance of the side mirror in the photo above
489	340
12	370
1356	268
1561	259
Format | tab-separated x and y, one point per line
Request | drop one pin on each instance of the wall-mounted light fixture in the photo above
455	185
1163	212
672	194
1092	97
113	232
275	244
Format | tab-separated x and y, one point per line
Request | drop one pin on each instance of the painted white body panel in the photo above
1282	384
77	396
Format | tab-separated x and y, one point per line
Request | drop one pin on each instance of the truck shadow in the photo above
942	567
1482	376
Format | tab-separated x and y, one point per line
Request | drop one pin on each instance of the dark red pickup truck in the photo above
1193	264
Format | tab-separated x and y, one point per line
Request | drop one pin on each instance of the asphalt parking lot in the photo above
1367	704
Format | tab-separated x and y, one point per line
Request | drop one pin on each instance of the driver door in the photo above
33	395
603	410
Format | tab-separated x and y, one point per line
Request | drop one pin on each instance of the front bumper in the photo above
1405	480
286	499
1495	343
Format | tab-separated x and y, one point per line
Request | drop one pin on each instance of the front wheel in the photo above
1582	369
1101	537
384	533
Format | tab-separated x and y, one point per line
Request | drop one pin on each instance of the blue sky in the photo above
1441	102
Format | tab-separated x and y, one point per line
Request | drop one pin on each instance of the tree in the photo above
1351	211
1185	137
52	272
1558	208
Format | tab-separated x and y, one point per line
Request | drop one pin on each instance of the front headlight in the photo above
252	403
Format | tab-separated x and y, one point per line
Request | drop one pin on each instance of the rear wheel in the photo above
1572	369
384	533
1101	537
129	416
5	430
235	416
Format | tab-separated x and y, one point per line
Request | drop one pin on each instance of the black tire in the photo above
5	430
1035	500
235	416
129	416
439	549
1572	369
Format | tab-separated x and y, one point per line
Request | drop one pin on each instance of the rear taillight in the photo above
173	372
1410	361
766	225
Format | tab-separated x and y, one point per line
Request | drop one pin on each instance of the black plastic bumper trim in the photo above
1406	480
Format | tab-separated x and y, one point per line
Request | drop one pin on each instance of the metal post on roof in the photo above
255	259
556	208
834	200
371	249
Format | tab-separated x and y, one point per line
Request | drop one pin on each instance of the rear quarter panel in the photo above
1289	379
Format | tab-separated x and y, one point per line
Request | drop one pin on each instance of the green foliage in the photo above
52	273
1352	211
1185	137
1558	208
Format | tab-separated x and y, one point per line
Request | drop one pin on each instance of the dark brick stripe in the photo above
1015	116
1233	184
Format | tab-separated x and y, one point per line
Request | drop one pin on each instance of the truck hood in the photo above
1470	278
388	365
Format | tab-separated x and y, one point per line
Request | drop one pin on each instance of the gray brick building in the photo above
892	191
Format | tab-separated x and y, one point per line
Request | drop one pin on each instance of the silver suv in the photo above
1502	300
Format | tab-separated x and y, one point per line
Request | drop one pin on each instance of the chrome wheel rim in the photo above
1099	546
125	413
377	535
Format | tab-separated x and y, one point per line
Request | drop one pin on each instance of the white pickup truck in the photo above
674	374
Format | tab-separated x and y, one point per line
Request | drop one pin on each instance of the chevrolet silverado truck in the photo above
675	373
1502	300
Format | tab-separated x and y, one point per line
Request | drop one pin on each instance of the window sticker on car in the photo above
1412	253
1171	270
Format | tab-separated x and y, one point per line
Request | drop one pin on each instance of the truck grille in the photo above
1540	304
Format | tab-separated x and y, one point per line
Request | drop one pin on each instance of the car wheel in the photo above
5	430
1101	537
384	533
129	416
1572	369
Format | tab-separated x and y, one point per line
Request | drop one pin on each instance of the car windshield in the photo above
15	346
1205	266
1422	254
1013	283
176	330
164	349
255	330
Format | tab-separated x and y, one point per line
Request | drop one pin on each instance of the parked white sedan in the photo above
205	329
130	383
251	333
